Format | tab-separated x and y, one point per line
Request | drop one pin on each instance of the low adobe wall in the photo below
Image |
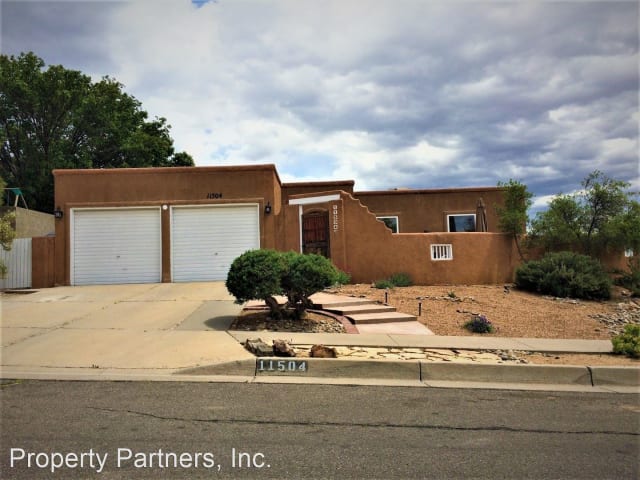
372	252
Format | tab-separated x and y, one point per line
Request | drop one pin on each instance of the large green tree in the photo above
58	118
603	215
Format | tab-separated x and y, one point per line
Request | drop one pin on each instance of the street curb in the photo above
624	376
345	368
426	372
237	367
487	373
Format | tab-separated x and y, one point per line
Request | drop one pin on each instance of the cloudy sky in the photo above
396	93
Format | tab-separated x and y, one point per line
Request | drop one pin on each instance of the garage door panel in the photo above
206	240
116	246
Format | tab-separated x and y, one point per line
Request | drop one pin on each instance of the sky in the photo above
391	94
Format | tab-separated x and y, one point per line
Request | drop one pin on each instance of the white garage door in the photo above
206	240
119	245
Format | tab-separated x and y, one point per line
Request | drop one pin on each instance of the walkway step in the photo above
357	309
387	317
337	302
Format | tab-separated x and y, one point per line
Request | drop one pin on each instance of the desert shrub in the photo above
479	324
383	284
343	278
256	275
565	274
262	274
401	280
628	342
631	279
396	280
304	276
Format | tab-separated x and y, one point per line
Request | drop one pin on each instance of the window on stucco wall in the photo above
391	222
461	222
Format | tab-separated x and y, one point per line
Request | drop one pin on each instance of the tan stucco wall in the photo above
420	211
372	252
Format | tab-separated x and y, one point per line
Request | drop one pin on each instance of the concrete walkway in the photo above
180	332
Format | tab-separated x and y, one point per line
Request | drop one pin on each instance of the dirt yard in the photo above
513	313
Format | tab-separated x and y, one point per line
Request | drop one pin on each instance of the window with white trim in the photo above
391	222
461	222
441	251
628	252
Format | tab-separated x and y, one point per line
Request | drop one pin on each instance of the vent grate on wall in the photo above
441	252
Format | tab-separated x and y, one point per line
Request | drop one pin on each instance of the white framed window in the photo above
628	252
441	251
391	222
461	222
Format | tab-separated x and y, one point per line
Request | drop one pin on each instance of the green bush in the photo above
396	280
383	284
255	275
628	342
343	278
565	274
479	324
306	275
263	274
401	280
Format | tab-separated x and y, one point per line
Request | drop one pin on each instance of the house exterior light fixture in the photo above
267	208
57	213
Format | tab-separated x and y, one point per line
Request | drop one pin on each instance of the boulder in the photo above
281	348
259	348
320	351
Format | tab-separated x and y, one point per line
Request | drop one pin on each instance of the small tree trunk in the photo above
274	308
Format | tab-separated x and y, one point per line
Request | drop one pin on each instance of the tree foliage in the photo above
513	216
58	118
263	274
7	232
601	216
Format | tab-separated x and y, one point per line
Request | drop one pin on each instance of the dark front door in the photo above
315	233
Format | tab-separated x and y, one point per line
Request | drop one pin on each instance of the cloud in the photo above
408	93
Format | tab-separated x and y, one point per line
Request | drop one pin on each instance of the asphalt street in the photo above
114	430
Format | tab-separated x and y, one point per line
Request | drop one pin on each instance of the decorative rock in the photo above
259	348
320	351
281	348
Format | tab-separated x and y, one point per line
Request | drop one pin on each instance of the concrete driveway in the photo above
149	326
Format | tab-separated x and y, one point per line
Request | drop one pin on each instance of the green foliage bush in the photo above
565	274
479	324
343	278
396	280
401	280
383	284
263	274
306	275
255	275
628	342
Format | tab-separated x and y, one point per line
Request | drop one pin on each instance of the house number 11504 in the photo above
335	218
282	366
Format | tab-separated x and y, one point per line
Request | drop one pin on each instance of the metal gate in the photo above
18	262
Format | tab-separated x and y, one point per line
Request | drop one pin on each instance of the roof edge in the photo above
163	170
432	190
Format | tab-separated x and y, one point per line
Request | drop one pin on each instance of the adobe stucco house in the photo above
189	223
